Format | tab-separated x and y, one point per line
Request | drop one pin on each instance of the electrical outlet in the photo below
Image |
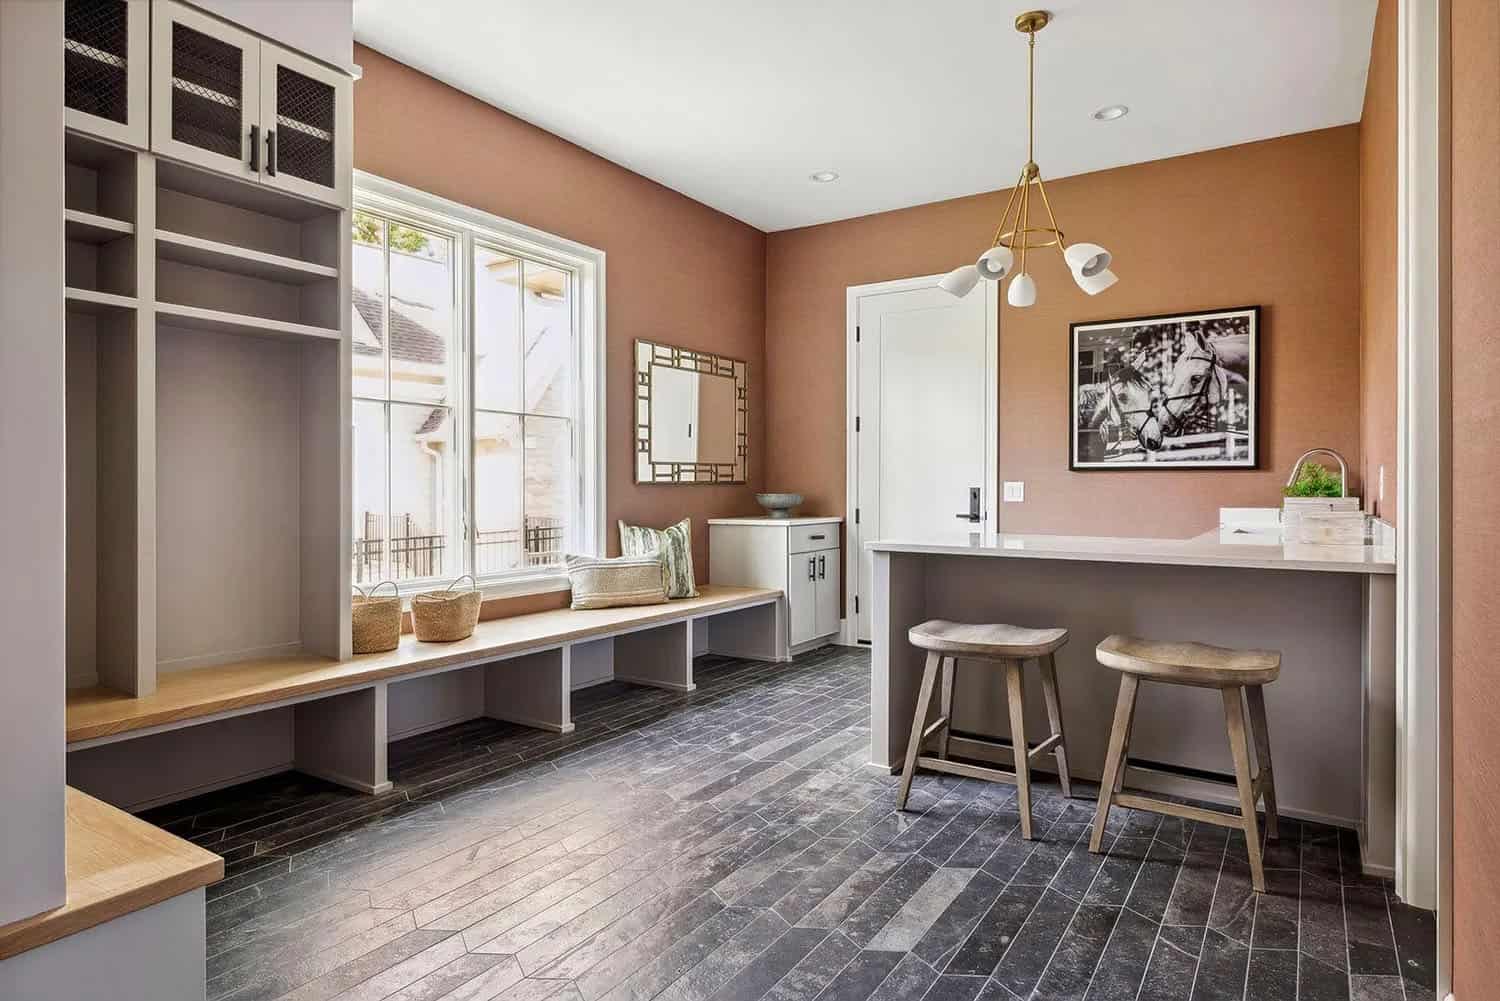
1015	491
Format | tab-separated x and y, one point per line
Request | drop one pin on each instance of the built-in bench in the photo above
339	712
143	884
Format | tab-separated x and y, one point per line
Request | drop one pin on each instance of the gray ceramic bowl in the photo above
778	505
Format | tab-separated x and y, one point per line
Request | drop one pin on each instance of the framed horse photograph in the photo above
1166	392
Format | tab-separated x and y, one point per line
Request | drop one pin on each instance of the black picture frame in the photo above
1170	392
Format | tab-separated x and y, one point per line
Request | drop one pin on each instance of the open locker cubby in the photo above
250	517
109	639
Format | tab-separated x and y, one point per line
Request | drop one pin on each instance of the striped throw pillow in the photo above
625	580
674	544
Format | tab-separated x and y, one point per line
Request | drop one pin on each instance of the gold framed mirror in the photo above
691	416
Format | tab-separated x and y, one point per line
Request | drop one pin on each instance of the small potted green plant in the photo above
1314	480
1317	491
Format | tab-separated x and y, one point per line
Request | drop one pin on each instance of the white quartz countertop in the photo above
1256	551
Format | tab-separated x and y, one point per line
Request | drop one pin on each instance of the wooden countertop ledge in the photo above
116	864
207	691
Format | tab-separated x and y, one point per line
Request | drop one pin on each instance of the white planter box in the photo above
1293	508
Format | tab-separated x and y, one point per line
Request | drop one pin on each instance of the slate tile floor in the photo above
731	845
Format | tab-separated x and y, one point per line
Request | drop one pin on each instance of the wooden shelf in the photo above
204	253
116	864
219	322
87	300
87	227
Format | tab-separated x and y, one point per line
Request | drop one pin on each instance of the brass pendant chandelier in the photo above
1088	262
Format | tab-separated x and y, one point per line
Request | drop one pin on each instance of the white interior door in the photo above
926	374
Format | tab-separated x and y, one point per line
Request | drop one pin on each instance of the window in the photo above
475	367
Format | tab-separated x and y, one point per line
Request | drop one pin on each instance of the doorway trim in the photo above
849	630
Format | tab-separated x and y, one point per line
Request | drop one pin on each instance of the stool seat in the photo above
993	641
1189	663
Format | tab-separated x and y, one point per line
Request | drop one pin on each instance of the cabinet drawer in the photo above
810	538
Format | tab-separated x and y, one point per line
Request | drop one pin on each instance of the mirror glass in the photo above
691	414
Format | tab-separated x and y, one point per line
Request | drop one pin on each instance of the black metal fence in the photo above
414	555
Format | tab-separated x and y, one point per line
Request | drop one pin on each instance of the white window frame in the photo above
467	226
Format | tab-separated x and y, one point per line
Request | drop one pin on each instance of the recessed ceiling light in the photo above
1112	112
824	176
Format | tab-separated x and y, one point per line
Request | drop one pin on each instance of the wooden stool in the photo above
1239	674
1005	646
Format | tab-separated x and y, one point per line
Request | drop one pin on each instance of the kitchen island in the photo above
1330	610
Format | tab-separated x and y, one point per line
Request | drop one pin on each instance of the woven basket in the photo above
376	620
445	616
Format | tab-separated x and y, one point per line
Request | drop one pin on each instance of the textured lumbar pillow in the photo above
674	544
625	580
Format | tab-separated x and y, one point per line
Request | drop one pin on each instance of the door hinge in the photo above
856	604
856	423
856	335
856	516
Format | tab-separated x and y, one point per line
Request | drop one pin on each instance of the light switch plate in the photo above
1015	491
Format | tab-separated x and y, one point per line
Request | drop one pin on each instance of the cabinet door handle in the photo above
255	149
822	568
270	152
812	568
816	538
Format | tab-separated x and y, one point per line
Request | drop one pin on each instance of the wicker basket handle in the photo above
371	592
431	596
473	584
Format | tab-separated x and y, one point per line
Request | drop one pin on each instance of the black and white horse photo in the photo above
1173	392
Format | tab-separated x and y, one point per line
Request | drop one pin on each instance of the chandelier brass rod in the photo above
1050	217
1023	219
1031	96
1005	216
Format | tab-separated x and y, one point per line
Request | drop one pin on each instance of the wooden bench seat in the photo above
94	713
116	864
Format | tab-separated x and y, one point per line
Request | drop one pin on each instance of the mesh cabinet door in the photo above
205	93
105	59
306	112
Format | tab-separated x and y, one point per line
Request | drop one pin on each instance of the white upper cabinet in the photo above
106	61
307	118
224	99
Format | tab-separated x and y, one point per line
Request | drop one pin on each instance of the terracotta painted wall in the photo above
1377	263
676	270
1274	223
1476	482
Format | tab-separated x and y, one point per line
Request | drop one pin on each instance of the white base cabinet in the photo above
800	556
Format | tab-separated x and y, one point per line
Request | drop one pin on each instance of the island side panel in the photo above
899	602
1314	618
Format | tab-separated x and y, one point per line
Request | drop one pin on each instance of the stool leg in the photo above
1018	743
1125	752
1054	717
950	668
918	724
1256	696
1114	758
1239	748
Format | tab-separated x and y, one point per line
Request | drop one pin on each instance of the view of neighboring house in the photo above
408	456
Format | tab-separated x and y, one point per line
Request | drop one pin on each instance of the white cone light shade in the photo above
1094	284
960	281
1022	291
1087	259
995	263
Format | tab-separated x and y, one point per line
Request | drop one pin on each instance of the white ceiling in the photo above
735	103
